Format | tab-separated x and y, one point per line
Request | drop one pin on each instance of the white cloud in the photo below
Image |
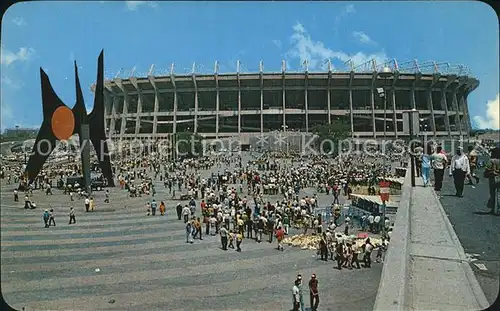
11	83
277	43
346	10
9	57
349	9
6	115
362	37
316	53
492	118
134	5
19	21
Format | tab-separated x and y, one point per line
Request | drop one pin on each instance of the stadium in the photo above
371	98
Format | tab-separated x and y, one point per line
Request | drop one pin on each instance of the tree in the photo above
329	136
188	144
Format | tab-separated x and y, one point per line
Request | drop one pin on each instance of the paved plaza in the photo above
117	258
477	230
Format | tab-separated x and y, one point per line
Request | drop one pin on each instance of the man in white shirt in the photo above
371	218
377	223
87	204
438	164
185	213
460	169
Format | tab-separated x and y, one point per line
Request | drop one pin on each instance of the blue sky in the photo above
137	34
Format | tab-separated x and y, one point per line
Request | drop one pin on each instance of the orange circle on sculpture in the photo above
63	123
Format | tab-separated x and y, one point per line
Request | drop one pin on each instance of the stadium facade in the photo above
243	105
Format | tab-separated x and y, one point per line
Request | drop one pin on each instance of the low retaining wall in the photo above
392	291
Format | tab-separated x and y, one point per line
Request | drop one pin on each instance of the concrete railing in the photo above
392	291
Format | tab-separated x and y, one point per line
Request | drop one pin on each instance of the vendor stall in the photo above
373	204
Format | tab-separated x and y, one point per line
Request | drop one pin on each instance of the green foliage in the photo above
335	132
17	136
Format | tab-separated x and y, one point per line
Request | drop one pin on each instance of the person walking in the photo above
16	196
87	204
162	208
51	217
185	213
473	157
313	293
46	217
426	165
296	296
286	223
323	247
339	254
189	232
154	205
106	194
239	239
72	219
223	237
178	208
355	255
280	235
492	172
301	292
231	239
367	258
438	163
460	169
197	227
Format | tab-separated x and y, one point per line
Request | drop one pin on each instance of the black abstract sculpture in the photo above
60	123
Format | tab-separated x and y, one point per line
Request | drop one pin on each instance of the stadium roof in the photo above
408	67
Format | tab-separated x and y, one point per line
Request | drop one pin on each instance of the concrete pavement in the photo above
478	231
144	263
426	267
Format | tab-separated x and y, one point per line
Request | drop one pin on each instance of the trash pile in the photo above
311	242
303	241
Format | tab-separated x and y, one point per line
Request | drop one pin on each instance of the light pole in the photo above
385	74
285	134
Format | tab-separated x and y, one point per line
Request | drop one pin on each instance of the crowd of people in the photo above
461	166
265	198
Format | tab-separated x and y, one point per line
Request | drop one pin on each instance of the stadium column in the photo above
139	105
394	119
393	97
261	74
126	101
217	100
152	80
328	96
412	94
239	100
112	123
113	100
430	107
306	103
172	79
450	80
351	112
372	101
430	103
463	106
195	127
444	106
457	111
283	107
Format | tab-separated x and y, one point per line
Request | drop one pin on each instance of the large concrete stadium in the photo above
245	105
